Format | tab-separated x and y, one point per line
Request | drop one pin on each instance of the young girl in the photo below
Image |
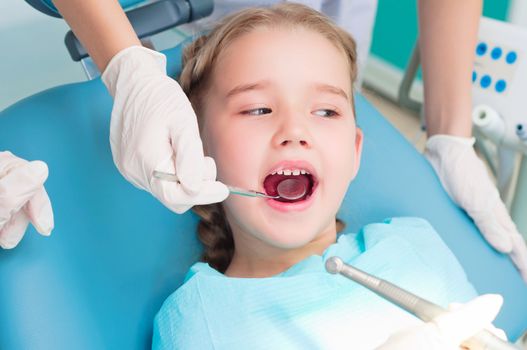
273	92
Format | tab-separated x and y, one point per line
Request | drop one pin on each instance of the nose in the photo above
292	130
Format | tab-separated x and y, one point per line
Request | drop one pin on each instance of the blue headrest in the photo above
47	6
116	253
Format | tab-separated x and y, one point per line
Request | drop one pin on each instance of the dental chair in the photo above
116	253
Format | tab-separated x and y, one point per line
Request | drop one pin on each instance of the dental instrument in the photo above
422	308
289	189
234	190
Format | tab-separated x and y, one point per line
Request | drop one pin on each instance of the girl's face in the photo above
280	99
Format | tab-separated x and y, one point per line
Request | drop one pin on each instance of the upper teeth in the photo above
290	172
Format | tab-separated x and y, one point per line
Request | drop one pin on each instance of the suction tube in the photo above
489	122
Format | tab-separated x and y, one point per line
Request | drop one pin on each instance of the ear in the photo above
357	151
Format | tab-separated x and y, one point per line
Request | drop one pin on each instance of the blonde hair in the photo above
199	59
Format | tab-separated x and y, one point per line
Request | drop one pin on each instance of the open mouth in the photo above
304	184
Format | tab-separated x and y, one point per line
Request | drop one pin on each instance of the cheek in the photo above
238	157
341	158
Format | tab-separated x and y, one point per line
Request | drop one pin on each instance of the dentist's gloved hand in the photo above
466	180
154	127
449	330
23	199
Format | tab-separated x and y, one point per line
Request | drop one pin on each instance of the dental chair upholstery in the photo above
116	253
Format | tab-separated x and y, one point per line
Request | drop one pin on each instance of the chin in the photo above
286	239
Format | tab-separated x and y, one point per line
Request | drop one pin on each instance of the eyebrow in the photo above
259	85
331	89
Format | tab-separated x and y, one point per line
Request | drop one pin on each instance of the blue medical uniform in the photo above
307	308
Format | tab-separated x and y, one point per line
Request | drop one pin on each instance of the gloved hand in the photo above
449	330
23	199
154	127
466	180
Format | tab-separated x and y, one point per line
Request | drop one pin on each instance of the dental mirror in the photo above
291	189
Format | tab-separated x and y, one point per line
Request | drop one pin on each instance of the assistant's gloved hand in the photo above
23	199
466	180
449	330
154	127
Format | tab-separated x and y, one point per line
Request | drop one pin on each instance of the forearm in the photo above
448	34
100	25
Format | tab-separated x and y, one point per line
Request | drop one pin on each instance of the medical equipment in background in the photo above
147	20
499	105
499	86
417	306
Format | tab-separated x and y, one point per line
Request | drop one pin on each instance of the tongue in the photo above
292	186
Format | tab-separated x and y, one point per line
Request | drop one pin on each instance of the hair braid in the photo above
215	234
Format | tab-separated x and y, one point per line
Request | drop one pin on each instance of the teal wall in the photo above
395	29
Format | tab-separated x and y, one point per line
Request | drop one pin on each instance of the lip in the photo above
297	206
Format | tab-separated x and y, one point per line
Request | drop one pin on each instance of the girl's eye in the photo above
326	113
258	111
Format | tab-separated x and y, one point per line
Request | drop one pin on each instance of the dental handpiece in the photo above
422	308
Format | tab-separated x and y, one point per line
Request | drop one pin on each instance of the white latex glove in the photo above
467	181
154	127
449	330
23	199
